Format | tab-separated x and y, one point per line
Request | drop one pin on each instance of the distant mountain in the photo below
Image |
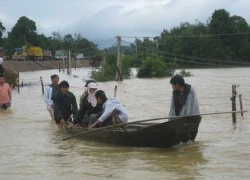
126	50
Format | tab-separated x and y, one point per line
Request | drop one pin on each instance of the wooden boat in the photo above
163	135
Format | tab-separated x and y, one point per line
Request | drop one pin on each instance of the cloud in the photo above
99	20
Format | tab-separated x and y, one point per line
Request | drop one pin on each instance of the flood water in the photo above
31	146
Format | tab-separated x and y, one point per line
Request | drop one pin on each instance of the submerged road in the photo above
31	146
24	66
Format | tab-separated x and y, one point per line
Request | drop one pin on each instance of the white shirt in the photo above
48	95
109	106
1	60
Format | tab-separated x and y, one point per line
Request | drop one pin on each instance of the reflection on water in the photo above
32	146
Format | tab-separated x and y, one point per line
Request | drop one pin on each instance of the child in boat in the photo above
5	93
111	106
88	107
64	104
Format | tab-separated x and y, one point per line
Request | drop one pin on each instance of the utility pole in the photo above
144	52
136	50
104	61
118	63
104	57
69	63
63	62
156	41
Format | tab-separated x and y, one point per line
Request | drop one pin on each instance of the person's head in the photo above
54	79
100	96
177	81
87	83
2	79
64	87
92	87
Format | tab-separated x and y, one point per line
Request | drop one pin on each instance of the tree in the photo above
22	34
224	38
219	22
2	30
238	25
68	42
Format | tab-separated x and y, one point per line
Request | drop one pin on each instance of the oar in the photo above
145	120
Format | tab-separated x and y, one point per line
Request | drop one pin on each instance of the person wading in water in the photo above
184	101
50	93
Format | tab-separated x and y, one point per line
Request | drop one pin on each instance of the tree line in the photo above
24	34
224	40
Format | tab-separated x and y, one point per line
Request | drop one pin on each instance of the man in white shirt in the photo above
50	92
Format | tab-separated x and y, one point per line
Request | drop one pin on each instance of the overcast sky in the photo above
101	20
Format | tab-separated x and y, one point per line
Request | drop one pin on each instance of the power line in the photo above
193	57
201	35
175	59
181	60
136	37
105	42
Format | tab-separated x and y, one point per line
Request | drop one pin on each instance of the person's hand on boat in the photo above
95	124
60	124
70	125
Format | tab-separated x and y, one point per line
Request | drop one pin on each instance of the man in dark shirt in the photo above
64	104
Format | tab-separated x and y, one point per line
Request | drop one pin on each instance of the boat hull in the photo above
163	135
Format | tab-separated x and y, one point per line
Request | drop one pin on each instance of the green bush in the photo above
108	70
184	73
156	67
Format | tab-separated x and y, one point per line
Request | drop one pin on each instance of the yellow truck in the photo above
35	53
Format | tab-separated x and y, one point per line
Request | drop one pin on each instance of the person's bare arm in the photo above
10	95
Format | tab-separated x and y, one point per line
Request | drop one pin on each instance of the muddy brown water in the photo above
31	146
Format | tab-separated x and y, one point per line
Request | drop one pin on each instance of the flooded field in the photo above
31	146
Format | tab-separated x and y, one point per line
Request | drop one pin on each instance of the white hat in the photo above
92	85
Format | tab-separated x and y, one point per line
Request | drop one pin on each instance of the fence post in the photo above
59	65
18	85
78	63
75	63
234	93
241	106
115	91
42	85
